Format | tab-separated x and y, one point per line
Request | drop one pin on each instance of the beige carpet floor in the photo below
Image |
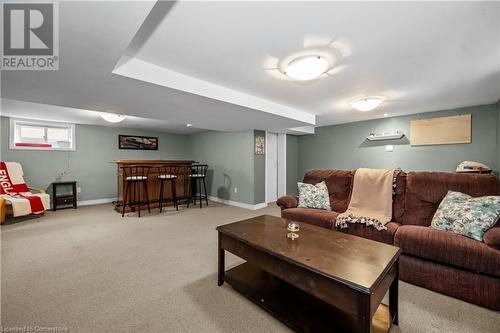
91	271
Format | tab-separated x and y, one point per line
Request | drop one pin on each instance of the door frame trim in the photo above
281	161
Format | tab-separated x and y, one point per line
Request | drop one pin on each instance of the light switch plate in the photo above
389	148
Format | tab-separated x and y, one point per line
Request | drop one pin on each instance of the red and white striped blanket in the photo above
14	189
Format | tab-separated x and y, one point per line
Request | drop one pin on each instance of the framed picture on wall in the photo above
260	145
137	142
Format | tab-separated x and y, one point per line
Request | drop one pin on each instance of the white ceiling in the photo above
27	110
93	37
422	57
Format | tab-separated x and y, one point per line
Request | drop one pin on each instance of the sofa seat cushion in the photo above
384	236
448	248
319	217
23	206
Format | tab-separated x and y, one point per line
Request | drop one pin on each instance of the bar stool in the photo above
168	173
134	176
197	176
183	179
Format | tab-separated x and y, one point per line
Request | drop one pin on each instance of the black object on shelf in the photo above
60	201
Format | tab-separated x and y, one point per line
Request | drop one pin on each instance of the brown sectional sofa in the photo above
445	262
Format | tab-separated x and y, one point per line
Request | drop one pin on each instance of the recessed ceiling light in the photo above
386	115
112	117
306	67
367	103
189	125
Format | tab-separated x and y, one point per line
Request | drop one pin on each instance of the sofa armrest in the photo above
38	190
492	237
288	202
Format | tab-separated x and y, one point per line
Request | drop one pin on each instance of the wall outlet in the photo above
235	190
389	148
78	189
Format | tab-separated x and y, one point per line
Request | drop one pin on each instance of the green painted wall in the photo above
90	165
259	172
230	156
233	163
292	163
498	135
344	146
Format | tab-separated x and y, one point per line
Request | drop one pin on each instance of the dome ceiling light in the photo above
365	104
306	68
112	117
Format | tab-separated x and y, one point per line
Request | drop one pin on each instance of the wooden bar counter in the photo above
182	181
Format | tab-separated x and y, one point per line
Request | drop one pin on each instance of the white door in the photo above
281	165
271	167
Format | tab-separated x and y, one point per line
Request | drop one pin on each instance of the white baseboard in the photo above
238	204
96	201
215	199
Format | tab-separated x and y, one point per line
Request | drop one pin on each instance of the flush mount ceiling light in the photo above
367	103
112	117
306	68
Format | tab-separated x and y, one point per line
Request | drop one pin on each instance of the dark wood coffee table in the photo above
324	281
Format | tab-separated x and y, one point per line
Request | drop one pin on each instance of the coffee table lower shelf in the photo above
297	309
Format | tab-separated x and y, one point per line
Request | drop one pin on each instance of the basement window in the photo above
41	135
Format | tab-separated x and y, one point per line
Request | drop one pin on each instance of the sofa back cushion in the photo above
339	185
426	190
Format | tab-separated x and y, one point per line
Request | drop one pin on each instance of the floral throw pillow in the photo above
314	196
466	215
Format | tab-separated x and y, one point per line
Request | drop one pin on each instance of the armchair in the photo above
12	173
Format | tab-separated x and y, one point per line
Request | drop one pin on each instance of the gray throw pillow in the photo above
314	196
465	215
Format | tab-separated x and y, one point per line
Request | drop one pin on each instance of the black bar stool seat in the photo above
167	176
136	178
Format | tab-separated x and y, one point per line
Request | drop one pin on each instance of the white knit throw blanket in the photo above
371	199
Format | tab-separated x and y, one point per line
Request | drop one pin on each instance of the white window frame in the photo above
14	122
